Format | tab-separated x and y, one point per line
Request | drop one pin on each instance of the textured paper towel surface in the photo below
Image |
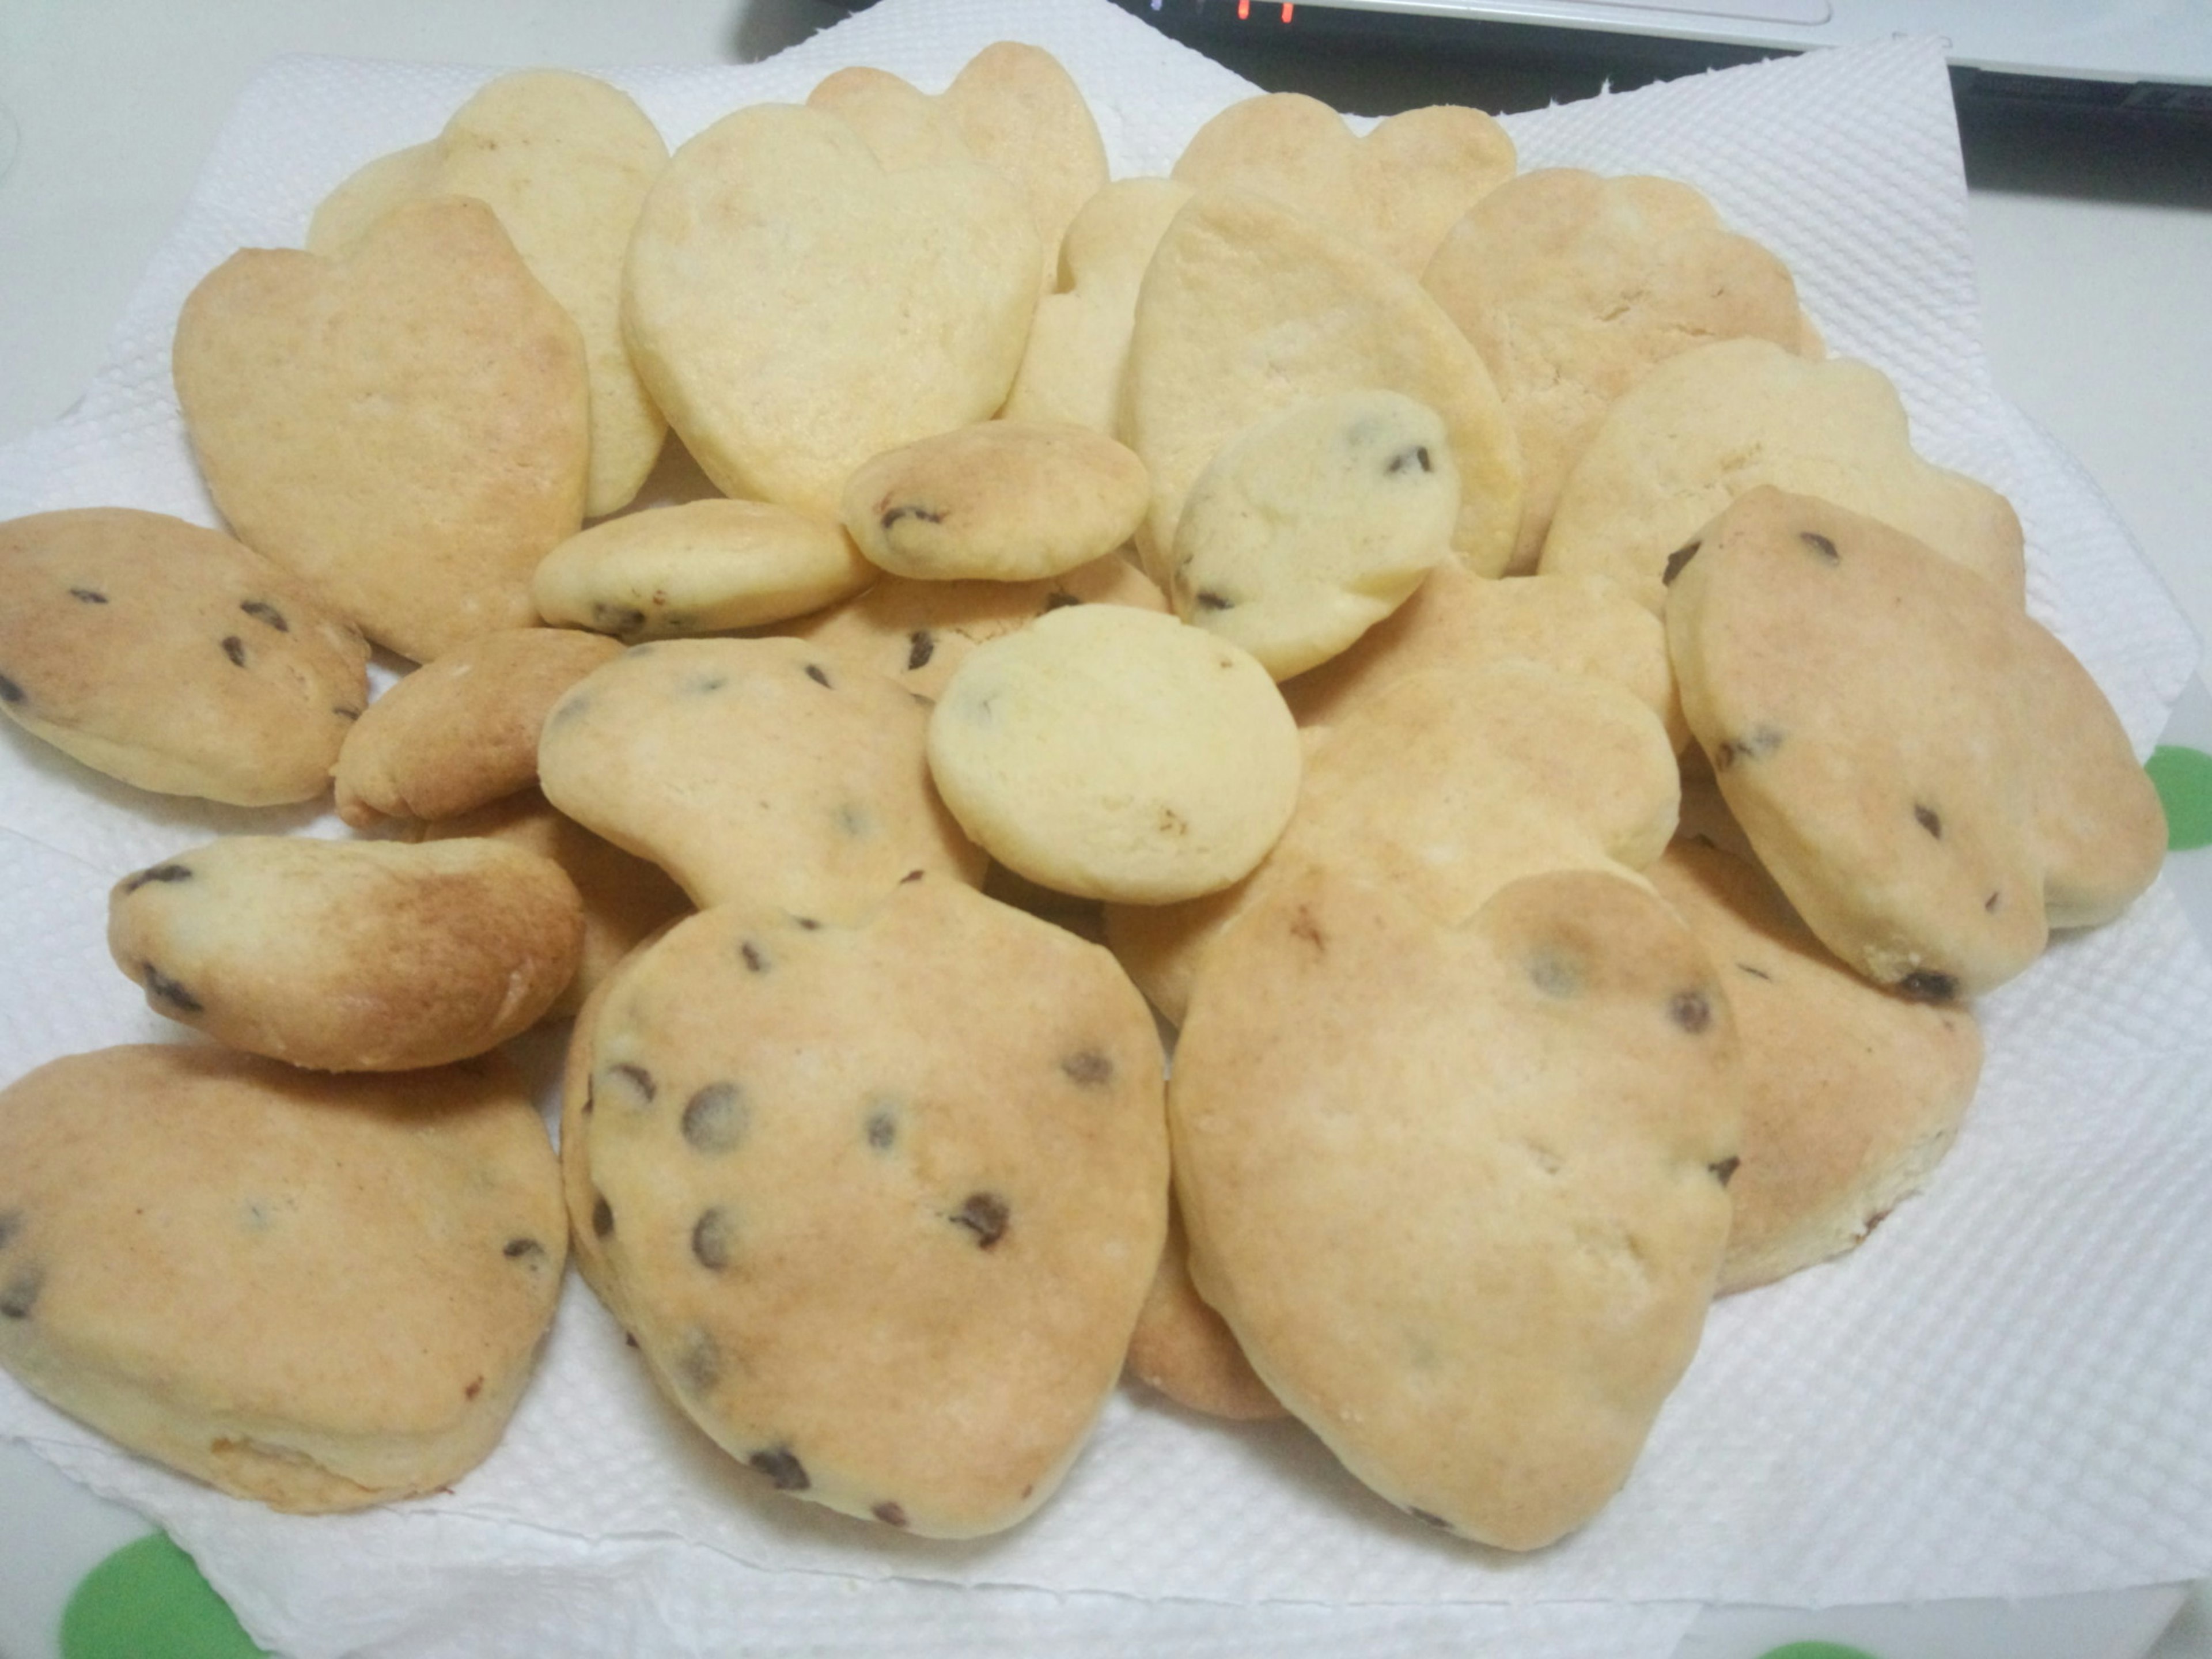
2001	1394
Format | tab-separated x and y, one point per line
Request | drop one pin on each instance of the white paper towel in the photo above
2003	1393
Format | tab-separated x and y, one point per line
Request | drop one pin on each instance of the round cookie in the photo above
1004	500
1460	1192
405	427
1851	1094
173	658
1929	775
350	956
698	568
920	632
764	770
795	309
1310	527
1573	285
882	1198
565	161
1248	309
318	1293
461	730
1709	424
1113	753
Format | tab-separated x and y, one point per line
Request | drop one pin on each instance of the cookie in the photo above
174	657
1460	1192
625	898
404	429
919	632
901	125
350	956
935	1132
565	162
318	1293
1248	309
1113	753
1185	1350
461	730
763	770
794	308
698	568
1446	786
1851	1094
1395	191
1571	286
1004	500
1310	527
1071	368
1705	427
1930	777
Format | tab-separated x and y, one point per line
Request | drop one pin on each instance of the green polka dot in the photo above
1816	1650
2184	777
148	1601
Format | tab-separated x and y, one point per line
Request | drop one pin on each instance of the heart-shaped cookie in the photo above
405	427
795	309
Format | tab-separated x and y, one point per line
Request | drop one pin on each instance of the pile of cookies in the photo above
904	620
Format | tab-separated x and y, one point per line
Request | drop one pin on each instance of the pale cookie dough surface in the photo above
1851	1094
1310	527
920	632
350	956
1002	501
319	1293
771	771
794	308
404	429
1109	752
1079	339
1571	286
1248	309
883	1198
624	898
461	730
1445	786
1396	191
901	125
1185	1350
1019	111
565	162
698	568
174	657
1707	425
1928	775
1460	1192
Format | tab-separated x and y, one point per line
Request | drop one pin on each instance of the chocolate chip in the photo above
920	513
1680	556
754	957
852	820
808	923
1690	1011
1756	973
518	1248
1991	903
1302	926
603	1217
638	1078
1210	600
1754	745
715	1118
1555	976
262	612
1926	985
920	646
1089	1069
784	1470
698	1362
711	1238
617	619
883	1127
1821	545
164	872
159	984
9	691
1407	459
591	1095
234	648
22	1294
705	686
1428	1520
1928	820
88	595
474	1389
911	876
1724	1171
890	1514
985	1215
818	674
1056	598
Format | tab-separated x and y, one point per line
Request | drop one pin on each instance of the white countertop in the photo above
2095	255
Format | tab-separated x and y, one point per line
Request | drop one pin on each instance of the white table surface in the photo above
2095	257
